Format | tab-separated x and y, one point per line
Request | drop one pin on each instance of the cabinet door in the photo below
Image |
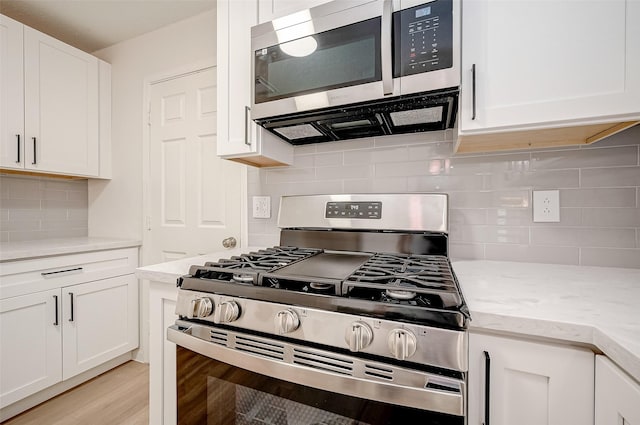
61	107
530	383
30	348
237	134
11	94
617	395
239	138
549	62
271	9
100	322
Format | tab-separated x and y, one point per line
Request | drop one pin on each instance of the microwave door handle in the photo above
385	49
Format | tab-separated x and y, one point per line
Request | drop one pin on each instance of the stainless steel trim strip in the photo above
408	387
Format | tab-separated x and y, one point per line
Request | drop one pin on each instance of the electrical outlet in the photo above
261	207
546	206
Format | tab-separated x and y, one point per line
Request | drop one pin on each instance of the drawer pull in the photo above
49	274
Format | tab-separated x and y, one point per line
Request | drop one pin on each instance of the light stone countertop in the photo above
574	304
10	251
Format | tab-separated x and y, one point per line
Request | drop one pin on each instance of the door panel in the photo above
194	195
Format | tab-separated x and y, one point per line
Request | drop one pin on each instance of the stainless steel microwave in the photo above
357	68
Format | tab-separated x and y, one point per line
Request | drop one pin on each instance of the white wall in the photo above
116	207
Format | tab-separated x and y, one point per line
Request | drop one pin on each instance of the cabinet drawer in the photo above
41	274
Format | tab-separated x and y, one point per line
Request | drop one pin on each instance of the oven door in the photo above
226	377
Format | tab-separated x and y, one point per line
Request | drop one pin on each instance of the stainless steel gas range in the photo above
355	318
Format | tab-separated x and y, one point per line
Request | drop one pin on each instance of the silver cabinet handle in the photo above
71	300
247	129
473	91
385	47
18	137
55	298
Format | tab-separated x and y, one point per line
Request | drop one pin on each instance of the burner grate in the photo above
245	268
420	280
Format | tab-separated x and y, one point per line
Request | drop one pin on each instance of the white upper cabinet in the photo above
61	106
51	107
11	94
533	65
239	138
271	9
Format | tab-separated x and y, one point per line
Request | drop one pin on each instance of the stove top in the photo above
403	287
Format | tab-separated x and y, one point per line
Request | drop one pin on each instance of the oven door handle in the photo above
423	395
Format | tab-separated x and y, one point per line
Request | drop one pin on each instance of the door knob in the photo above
229	242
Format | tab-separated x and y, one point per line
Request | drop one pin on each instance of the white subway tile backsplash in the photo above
610	257
376	156
40	208
611	217
469	216
584	158
290	175
466	251
347	145
533	253
430	150
440	183
329	159
584	237
534	179
344	173
610	177
609	197
489	193
390	185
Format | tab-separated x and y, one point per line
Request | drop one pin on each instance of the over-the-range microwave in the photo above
357	68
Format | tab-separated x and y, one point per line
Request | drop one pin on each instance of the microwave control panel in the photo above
423	38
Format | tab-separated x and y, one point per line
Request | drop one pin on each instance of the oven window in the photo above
336	58
215	393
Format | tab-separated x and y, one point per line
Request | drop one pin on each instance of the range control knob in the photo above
358	336
200	308
286	321
226	312
402	343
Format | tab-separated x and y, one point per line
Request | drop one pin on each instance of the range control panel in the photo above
370	210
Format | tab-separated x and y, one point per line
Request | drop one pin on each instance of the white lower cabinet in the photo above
529	383
617	395
70	315
31	345
100	322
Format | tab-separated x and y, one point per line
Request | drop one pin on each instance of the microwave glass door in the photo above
341	57
215	393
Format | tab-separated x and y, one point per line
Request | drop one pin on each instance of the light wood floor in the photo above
117	397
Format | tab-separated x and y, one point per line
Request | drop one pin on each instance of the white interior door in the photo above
195	197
